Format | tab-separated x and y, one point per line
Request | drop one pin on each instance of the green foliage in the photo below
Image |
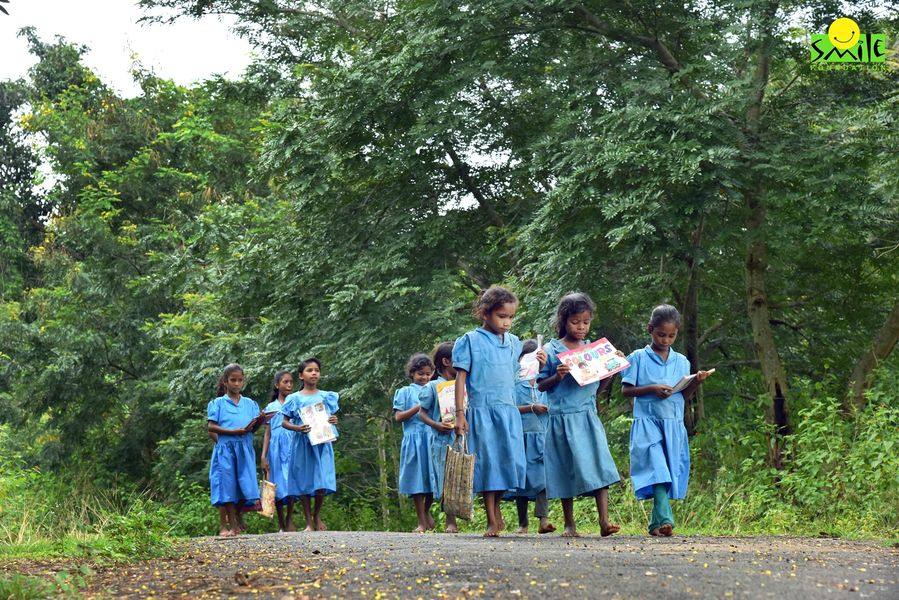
62	585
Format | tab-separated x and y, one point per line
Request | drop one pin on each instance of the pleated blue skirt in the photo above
280	446
232	472
438	445
496	439
535	471
660	453
415	463
311	468
576	455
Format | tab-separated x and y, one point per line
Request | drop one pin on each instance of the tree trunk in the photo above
694	409
881	348
383	425
756	253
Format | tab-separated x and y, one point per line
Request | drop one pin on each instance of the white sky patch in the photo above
187	51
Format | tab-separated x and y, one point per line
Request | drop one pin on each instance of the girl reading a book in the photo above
276	448
441	433
415	460
232	418
660	453
577	457
533	409
486	363
311	465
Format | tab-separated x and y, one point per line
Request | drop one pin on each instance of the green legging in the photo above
661	508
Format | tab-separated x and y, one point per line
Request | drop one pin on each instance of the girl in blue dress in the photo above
415	455
276	448
232	471
577	457
660	452
441	434
533	409
486	363
311	467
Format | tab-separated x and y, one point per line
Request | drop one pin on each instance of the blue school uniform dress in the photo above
232	471
494	425
660	452
576	456
311	467
437	442
415	452
534	428
280	446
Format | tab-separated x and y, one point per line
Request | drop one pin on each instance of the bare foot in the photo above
431	523
546	528
309	528
225	532
492	532
522	529
570	532
608	529
654	532
451	529
320	525
502	523
666	530
419	529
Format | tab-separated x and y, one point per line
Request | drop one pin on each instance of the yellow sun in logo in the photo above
843	33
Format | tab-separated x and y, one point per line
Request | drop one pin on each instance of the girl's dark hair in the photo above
278	376
491	299
527	347
303	366
441	351
572	304
664	313
222	387
417	362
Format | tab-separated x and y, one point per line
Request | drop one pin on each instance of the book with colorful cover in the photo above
316	416
446	400
528	366
593	362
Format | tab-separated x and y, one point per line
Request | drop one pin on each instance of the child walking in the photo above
276	448
441	434
578	461
533	409
486	363
415	462
659	449
311	467
232	470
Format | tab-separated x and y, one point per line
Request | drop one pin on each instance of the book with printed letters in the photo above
593	362
316	416
685	381
446	400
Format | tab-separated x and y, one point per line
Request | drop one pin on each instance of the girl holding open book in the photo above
441	434
660	451
277	446
232	419
312	470
577	457
486	363
415	455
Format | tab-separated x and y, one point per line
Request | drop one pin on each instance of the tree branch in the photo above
463	171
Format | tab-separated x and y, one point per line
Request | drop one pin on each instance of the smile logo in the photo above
843	33
845	44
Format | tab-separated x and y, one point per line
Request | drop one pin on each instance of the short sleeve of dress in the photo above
549	367
330	401
462	354
427	396
212	410
399	399
684	366
289	409
629	375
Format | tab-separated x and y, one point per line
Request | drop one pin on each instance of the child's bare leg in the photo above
233	513
498	506
307	512
521	506
241	525
490	506
279	508
602	506
451	526
541	511
419	501
224	527
288	518
429	501
568	512
319	500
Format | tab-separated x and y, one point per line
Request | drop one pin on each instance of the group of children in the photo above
540	438
533	439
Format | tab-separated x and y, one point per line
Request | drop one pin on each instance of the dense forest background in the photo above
382	162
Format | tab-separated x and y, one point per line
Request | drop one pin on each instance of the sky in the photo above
186	51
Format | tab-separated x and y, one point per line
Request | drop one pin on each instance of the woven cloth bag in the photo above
458	480
268	499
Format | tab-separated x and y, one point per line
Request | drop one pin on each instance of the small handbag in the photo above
458	480
268	498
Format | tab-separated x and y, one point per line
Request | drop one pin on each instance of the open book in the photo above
593	362
685	381
260	420
316	417
446	400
